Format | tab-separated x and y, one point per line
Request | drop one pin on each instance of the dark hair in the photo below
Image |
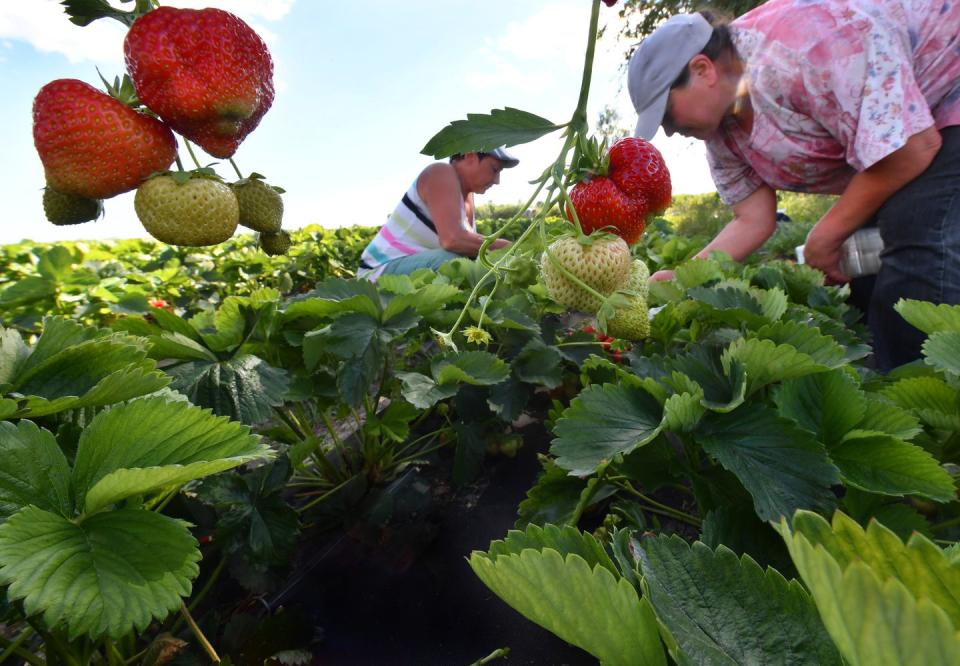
460	156
720	43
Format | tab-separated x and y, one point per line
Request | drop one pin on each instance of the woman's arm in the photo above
754	221
439	188
867	191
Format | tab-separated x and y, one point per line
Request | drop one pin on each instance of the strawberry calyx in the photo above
591	158
181	177
123	91
257	177
85	12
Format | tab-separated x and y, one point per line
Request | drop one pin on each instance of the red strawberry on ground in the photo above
622	189
91	145
204	71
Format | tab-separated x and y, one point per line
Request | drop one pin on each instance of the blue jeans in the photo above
432	259
920	226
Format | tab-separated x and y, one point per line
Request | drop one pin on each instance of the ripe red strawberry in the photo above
636	166
601	205
94	146
623	189
204	71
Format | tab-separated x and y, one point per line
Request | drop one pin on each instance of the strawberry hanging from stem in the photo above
620	188
203	71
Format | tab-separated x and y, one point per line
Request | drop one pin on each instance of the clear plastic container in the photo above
861	253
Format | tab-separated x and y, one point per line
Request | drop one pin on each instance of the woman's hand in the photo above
660	276
824	251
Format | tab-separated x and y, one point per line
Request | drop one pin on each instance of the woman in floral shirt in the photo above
859	98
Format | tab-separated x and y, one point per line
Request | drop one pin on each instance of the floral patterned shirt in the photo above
836	85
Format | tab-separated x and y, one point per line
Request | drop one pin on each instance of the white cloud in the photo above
43	25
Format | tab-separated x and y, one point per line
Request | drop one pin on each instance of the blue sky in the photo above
361	86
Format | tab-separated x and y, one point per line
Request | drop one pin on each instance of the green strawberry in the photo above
62	209
639	278
274	243
631	322
600	260
261	207
187	209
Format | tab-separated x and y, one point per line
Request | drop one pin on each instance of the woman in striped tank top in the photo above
433	223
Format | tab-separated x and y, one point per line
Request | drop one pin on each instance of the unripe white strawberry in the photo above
631	322
639	279
197	211
274	244
601	261
261	207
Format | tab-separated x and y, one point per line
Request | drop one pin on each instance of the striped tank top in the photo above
408	230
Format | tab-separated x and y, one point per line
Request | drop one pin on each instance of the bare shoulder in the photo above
439	177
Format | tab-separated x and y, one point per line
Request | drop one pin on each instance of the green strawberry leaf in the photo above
539	364
782	467
881	463
566	584
422	391
773	302
721	609
477	368
828	404
33	471
930	398
942	351
72	366
13	353
554	498
724	387
30	289
766	362
148	444
450	372
882	415
805	339
882	601
254	522
335	296
108	575
483	132
603	422
424	301
244	388
929	317
698	272
683	411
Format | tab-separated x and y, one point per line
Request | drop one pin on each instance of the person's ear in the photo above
703	67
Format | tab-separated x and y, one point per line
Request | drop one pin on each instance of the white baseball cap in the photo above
659	59
502	155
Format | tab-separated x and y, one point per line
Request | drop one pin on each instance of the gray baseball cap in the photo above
658	61
505	157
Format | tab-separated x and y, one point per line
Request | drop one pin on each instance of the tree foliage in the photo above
641	17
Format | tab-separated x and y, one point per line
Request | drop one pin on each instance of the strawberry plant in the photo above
91	453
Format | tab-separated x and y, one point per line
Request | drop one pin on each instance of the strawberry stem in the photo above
192	156
579	120
179	163
236	168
